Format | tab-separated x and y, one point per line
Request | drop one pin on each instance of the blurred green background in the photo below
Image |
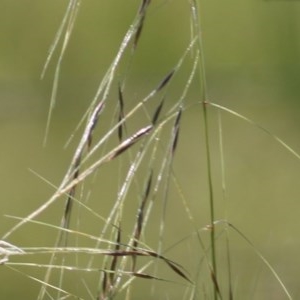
252	55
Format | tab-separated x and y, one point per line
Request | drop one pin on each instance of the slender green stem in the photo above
196	23
211	199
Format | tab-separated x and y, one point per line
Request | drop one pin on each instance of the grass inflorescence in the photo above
147	237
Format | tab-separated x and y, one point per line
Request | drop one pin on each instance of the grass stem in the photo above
196	27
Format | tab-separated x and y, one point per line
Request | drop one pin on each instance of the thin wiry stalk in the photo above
69	11
68	22
211	202
196	22
222	160
266	262
67	294
265	130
